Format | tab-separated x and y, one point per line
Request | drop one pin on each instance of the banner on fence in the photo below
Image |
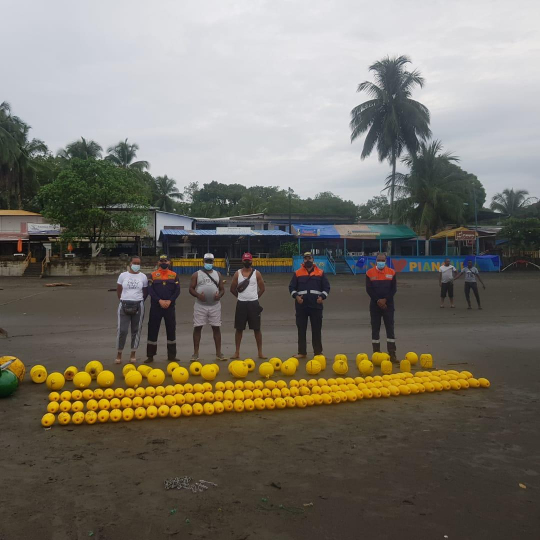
430	264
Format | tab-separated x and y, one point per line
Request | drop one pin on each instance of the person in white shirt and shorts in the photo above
248	286
207	287
447	273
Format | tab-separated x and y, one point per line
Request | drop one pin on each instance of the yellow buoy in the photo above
70	372
127	368
250	364
239	369
288	368
209	372
426	361
55	381
386	367
94	368
103	416
82	379
195	368
105	378
313	367
266	369
171	367
340	367
412	357
484	383
276	362
365	367
405	366
64	418
78	417
16	367
156	377
144	370
38	374
180	375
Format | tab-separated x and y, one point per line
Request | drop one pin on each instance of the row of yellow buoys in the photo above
187	399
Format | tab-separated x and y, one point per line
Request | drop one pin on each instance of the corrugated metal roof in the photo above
17	213
212	232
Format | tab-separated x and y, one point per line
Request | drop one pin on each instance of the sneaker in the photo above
194	358
221	357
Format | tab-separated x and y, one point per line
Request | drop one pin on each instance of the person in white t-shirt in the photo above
447	274
471	275
132	290
248	286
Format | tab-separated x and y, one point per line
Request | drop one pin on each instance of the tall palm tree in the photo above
165	191
82	149
432	193
123	155
392	119
511	202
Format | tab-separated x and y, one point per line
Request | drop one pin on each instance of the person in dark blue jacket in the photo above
164	289
309	287
381	286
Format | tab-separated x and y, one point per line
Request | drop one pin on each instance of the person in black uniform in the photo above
309	287
164	289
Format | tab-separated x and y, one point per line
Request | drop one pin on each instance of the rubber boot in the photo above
392	352
376	347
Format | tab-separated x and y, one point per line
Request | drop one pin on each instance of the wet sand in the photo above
416	467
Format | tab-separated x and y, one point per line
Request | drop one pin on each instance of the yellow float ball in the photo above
119	393
108	393
208	372
412	357
156	377
115	415
365	367
294	360
54	396
321	359
340	358
55	381
64	418
103	405
239	369
377	358
128	367
484	383
405	366
82	379
48	420
76	395
77	418
266	369
426	361
65	395
180	375
151	412
313	367
94	368
198	409
360	357
105	378
175	411
195	368
340	367
99	393
144	370
171	366
77	406
386	367
288	368
163	411
250	364
276	362
103	416
38	374
53	407
70	372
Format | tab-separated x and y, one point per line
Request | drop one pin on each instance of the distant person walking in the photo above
471	275
248	286
309	287
381	287
132	290
164	289
207	287
447	274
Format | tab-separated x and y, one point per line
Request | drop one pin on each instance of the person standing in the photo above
248	286
309	287
164	289
207	287
132	290
381	286
447	274
471	275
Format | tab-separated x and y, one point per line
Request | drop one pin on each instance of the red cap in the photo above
247	257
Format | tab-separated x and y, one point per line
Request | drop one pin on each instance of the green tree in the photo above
326	203
524	234
164	193
82	149
375	208
511	203
393	120
96	200
431	194
123	155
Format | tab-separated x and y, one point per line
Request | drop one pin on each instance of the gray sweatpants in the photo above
124	322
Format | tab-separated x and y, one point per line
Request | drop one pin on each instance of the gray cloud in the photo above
259	92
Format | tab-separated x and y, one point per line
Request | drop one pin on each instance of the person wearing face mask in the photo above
132	289
207	287
381	286
248	286
164	289
309	287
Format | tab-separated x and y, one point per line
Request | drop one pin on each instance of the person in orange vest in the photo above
164	289
309	287
381	286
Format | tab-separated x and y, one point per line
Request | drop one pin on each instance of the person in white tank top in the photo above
248	286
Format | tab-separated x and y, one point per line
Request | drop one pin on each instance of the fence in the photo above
190	266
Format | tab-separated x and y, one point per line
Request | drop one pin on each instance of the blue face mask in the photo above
135	267
381	265
208	266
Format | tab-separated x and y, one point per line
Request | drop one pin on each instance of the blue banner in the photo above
489	263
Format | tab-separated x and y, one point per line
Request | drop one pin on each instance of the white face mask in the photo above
135	267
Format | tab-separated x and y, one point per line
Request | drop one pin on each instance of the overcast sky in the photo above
260	92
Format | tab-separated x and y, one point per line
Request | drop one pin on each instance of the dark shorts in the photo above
447	288
248	312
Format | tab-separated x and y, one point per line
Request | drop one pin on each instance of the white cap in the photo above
208	256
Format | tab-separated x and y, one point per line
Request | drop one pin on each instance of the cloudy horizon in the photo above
260	93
